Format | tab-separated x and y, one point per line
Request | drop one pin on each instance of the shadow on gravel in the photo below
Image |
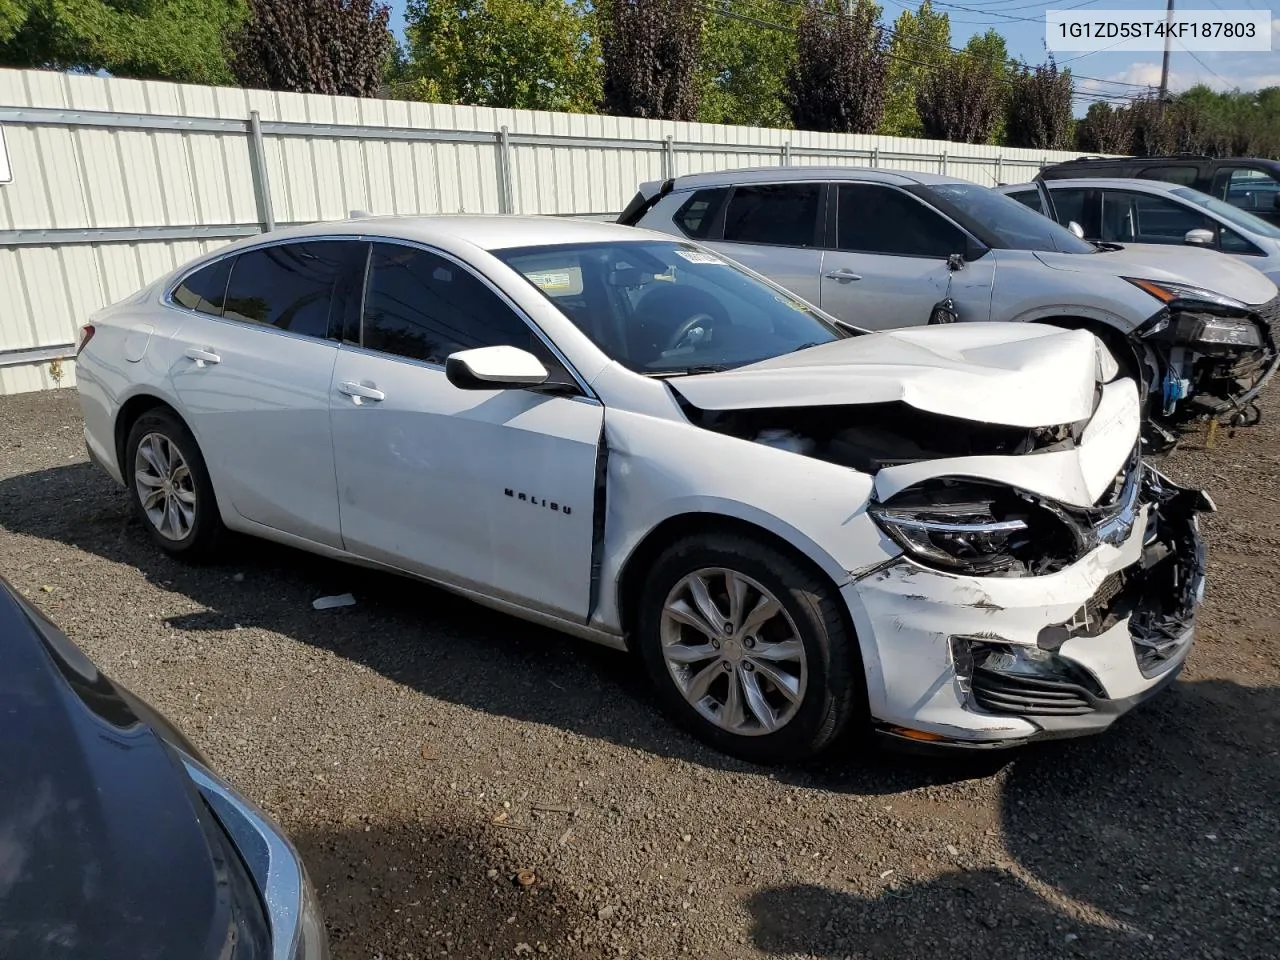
1161	842
439	644
436	875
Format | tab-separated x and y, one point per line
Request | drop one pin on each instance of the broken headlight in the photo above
979	528
1230	332
1185	295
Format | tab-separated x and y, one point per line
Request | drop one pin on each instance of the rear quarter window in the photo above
205	291
697	216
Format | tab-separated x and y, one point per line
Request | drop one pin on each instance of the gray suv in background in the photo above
881	249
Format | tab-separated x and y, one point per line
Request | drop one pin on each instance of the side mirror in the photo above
1076	229
494	368
1199	238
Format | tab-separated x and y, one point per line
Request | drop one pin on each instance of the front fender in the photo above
658	469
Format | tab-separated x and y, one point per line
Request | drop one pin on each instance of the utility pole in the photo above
1164	68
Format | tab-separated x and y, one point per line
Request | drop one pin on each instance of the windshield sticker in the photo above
562	283
697	256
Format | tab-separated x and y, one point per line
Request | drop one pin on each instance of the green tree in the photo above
336	47
920	42
744	64
837	83
527	54
181	40
990	48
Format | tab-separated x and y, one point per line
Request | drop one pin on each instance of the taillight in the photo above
86	334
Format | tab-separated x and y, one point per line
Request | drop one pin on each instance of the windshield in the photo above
665	307
1001	221
1225	211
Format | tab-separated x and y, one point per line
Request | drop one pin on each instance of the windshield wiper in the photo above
688	371
1106	247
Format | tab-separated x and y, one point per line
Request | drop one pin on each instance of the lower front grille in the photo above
1002	693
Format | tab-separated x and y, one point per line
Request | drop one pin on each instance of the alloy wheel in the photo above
165	486
733	651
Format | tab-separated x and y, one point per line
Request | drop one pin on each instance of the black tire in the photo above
207	535
834	698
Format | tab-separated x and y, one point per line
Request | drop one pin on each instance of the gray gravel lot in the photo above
421	751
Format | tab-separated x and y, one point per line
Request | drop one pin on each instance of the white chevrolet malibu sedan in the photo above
944	534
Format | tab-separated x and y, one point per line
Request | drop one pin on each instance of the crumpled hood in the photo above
1176	264
1018	375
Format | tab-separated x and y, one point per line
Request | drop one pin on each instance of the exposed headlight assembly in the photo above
1185	293
1229	332
981	528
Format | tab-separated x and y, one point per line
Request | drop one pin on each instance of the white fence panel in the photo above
116	182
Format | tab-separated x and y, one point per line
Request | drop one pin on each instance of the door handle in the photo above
844	275
203	355
360	392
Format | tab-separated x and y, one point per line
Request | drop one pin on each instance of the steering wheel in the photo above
686	328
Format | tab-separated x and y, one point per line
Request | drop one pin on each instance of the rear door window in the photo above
205	290
783	214
291	286
871	218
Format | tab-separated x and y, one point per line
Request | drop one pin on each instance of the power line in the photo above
890	32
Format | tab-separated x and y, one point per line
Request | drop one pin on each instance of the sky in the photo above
1113	74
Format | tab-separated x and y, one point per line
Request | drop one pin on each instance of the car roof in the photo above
774	174
1124	183
485	231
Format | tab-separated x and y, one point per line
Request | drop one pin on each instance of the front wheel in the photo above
170	488
749	650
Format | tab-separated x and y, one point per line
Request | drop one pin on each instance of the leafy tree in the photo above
1151	131
313	46
1104	129
990	48
837	83
920	42
179	40
745	63
652	50
527	54
962	100
1039	112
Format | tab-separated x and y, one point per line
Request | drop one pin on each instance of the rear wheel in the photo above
170	488
748	649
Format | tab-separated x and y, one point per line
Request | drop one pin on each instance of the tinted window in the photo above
1232	242
782	213
205	289
1253	190
1028	198
664	307
422	306
697	215
1070	206
1184	176
290	286
1146	218
999	221
1231	214
876	219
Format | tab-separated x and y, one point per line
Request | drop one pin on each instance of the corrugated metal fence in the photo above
114	182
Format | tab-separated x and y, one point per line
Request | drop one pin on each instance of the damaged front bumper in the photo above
1203	379
990	662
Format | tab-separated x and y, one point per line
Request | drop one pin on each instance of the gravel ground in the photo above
422	752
